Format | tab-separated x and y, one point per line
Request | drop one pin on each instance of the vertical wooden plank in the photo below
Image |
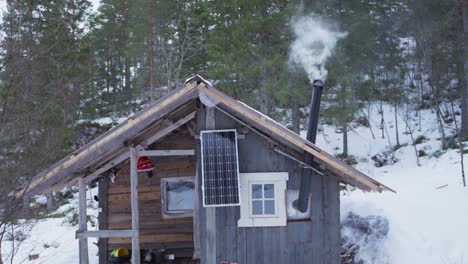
83	242
197	209
227	242
270	244
231	243
200	230
102	219
241	248
331	209
250	249
284	247
134	204
258	249
210	212
221	234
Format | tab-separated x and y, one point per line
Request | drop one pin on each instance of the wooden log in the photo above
105	233
157	238
83	242
134	203
168	129
174	152
158	245
119	189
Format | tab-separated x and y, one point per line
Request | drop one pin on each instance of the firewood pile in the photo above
361	233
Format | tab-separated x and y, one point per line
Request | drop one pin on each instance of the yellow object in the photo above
119	252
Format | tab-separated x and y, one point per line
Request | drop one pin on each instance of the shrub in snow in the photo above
383	159
419	140
361	239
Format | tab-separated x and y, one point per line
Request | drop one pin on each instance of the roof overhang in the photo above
150	124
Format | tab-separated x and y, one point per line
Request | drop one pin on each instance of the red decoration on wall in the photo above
144	164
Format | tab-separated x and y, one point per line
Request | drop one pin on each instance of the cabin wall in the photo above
314	241
155	232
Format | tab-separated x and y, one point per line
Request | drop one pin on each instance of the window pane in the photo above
256	191
179	195
257	208
269	207
269	190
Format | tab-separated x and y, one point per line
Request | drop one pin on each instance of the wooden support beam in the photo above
269	126
210	212
165	131
125	155
191	128
134	205
102	218
105	233
175	152
82	221
110	141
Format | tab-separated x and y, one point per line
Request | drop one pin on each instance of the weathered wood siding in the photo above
315	241
155	232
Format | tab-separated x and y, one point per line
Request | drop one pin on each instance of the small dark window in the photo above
177	196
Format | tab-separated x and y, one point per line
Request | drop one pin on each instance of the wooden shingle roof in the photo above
162	117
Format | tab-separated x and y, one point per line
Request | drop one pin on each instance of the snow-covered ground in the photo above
426	223
54	238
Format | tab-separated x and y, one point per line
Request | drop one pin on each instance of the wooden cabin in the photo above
220	185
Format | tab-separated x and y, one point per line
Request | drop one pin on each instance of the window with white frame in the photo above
263	199
177	197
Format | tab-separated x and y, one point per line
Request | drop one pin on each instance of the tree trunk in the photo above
264	100
382	120
464	88
50	201
295	114
26	209
152	50
345	140
460	146
396	127
128	89
441	127
369	110
1	257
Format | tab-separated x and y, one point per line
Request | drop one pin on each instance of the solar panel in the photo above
220	168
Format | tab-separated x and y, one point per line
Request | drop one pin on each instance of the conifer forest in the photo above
388	66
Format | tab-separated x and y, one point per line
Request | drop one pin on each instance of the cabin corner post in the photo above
83	242
102	219
210	212
134	205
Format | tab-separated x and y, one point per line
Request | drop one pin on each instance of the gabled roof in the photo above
164	116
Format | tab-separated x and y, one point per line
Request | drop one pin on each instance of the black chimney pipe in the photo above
302	203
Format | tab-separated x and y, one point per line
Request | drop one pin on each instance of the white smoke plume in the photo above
314	43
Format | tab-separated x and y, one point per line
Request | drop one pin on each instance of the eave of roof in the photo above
195	87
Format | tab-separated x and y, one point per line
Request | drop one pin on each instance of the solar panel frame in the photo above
204	186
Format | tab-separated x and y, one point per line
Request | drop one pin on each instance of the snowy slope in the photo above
54	238
426	224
